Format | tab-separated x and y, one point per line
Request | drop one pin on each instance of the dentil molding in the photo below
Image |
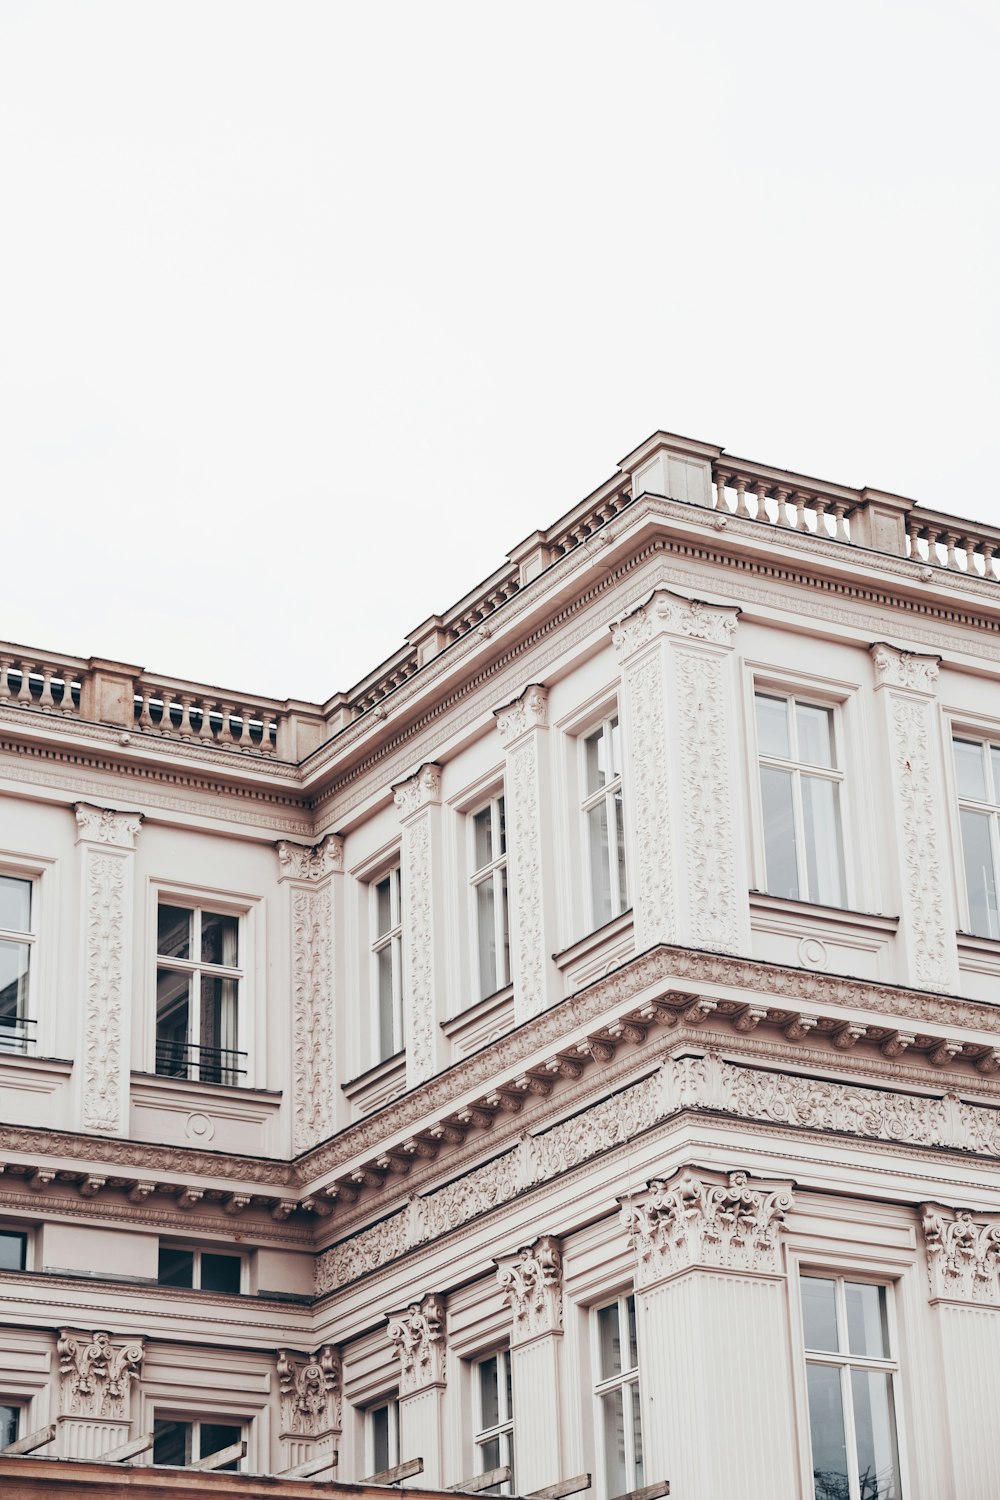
310	1392
103	825
96	1375
963	1254
418	1334
311	862
529	711
699	1218
667	613
532	1288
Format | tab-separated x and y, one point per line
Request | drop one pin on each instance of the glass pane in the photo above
597	770
219	1059
819	1313
613	1425
507	1457
8	1424
171	1442
14	960
609	1341
814	731
821	833
220	1273
11	1253
502	820
486	935
489	1455
867	1322
875	1433
386	1040
489	1397
779	832
826	1430
173	931
600	869
970	772
482	824
633	1347
505	923
380	1439
220	939
508	1387
218	1435
176	1267
620	838
171	1023
995	768
616	748
637	1465
15	904
383	904
772	726
980	881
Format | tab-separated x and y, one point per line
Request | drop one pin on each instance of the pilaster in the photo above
418	802
106	840
312	874
523	729
906	688
419	1336
532	1287
678	711
713	1336
95	1391
309	1395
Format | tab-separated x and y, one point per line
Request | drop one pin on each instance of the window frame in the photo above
16	867
221	1419
605	722
501	1430
604	1385
378	941
24	1235
18	1407
390	1404
985	738
495	872
196	1252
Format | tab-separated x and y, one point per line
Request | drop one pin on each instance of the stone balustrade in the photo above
756	495
31	680
945	541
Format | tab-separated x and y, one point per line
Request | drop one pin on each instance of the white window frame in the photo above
390	1404
14	868
392	939
16	1405
501	1430
630	1378
984	738
223	1419
620	900
197	903
197	1251
495	871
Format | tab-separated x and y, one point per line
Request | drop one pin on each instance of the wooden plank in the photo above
311	1466
647	1492
401	1471
36	1439
127	1450
223	1456
564	1487
480	1482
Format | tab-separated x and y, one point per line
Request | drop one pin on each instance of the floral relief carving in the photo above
312	1015
905	669
924	893
705	1219
963	1254
672	614
310	1393
525	886
421	790
105	960
532	1288
529	711
311	861
103	825
419	1337
418	937
711	848
654	893
96	1375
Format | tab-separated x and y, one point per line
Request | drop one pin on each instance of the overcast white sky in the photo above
310	312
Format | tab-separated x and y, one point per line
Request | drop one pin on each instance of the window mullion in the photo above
798	823
847	1400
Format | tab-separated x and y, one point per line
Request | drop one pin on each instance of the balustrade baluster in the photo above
742	509
987	551
6	662
822	517
781	497
913	534
205	728
931	534
145	719
800	523
949	540
760	490
720	491
24	696
46	699
245	742
970	548
226	727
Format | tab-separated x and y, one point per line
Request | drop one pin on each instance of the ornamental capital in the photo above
96	1374
532	1288
419	1336
103	825
310	1392
728	1221
421	790
904	669
312	862
963	1254
528	711
666	613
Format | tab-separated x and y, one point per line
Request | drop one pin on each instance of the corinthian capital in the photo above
310	1392
666	613
103	825
312	862
707	1219
532	1288
963	1254
418	1334
904	669
421	790
96	1375
529	711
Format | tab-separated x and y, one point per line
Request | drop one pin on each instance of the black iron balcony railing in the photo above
201	1062
17	1033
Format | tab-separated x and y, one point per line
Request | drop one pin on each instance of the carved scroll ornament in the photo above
103	825
97	1374
418	1334
311	862
904	669
529	711
532	1288
704	1219
963	1254
310	1392
421	790
672	614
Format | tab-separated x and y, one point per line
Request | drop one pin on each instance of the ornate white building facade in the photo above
574	1049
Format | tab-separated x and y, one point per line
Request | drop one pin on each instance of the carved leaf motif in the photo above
655	914
310	1392
419	938
312	1015
911	747
105	957
419	1337
96	1375
526	879
707	815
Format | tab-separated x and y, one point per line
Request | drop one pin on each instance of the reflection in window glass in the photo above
800	789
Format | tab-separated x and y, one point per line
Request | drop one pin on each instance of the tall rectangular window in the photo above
387	964
605	826
850	1380
801	786
198	982
494	1436
977	772
382	1437
489	892
16	940
619	1421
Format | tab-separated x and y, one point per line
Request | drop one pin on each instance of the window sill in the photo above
218	1116
595	955
482	1023
377	1085
979	958
760	901
831	939
191	1086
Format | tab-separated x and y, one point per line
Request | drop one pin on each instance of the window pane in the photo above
502	820
15	904
489	1455
980	880
11	1253
8	1424
819	1313
386	1039
616	749
826	1429
969	770
489	1397
507	1457
637	1473
14	960
633	1347
779	832
220	1273
875	1430
220	936
597	771
218	1039
486	934
821	830
383	905
173	931
772	726
508	1387
613	1424
171	1442
814	729
505	921
620	840
171	1023
609	1341
995	768
380	1439
867	1323
600	869
218	1435
175	1267
482	824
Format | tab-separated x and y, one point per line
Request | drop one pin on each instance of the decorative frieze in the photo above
532	1288
310	1393
103	825
963	1254
529	711
419	1337
311	862
700	1218
672	614
96	1374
